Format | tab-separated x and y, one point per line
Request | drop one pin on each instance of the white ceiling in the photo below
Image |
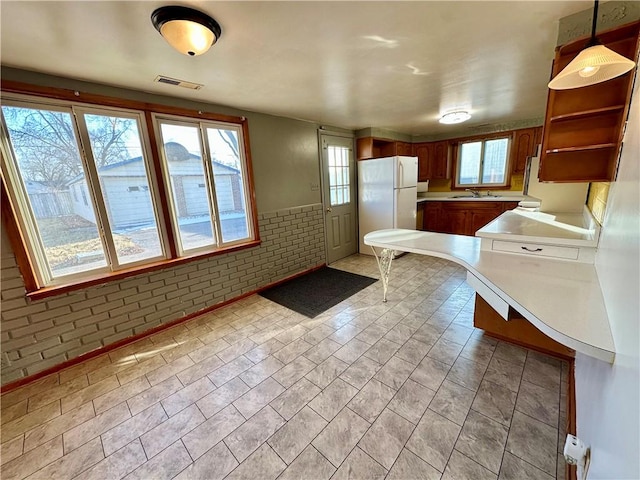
388	65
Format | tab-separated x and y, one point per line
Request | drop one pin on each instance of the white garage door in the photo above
224	193
195	196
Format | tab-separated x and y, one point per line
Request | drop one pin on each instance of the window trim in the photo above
457	150
41	94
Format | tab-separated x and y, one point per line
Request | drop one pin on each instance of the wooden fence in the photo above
51	204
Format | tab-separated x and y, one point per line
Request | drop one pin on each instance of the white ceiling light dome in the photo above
189	31
458	116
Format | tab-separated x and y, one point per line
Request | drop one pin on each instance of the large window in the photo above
87	200
483	163
204	165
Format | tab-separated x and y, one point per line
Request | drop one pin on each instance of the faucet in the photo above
476	193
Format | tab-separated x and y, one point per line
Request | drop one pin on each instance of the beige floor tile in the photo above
411	401
72	463
514	468
19	394
290	440
253	433
13	412
30	420
340	436
483	440
164	466
112	369
11	449
117	465
309	464
256	398
333	398
539	403
533	441
360	372
359	465
452	401
433	439
120	435
229	371
43	398
409	466
326	372
199	370
57	426
289	352
83	433
495	401
395	372
187	396
291	401
87	394
264	464
467	373
141	368
32	461
235	350
159	438
261	371
120	394
217	463
161	374
294	371
371	400
209	433
84	368
460	467
183	348
153	395
215	401
386	438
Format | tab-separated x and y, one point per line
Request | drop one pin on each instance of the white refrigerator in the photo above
387	195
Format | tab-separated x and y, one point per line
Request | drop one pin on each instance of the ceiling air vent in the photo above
178	83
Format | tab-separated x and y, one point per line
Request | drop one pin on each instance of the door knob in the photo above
329	209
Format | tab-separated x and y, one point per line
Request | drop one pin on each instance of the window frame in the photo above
483	186
18	232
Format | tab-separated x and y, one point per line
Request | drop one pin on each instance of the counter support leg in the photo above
384	265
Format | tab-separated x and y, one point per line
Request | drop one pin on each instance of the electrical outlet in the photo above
315	186
5	362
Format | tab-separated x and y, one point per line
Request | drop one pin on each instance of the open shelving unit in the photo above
583	127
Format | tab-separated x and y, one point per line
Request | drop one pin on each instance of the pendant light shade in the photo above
595	64
187	30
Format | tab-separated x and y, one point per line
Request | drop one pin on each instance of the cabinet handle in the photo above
531	249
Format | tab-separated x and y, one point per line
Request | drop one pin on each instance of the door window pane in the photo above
47	160
190	197
338	164
122	170
224	149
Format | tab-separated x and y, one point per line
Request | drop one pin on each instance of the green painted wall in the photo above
284	151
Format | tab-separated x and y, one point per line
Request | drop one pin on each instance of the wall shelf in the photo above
586	113
583	148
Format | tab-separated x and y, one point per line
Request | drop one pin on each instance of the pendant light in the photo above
594	64
187	30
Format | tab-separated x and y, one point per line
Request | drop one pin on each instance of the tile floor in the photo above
402	390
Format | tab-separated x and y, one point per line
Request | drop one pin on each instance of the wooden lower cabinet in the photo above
462	217
516	330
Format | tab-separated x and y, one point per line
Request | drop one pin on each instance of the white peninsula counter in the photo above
562	298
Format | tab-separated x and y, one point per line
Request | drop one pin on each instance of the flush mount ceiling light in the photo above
187	30
595	64
455	117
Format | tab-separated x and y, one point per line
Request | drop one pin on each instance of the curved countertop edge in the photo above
465	251
501	198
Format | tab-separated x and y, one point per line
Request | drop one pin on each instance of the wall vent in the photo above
178	83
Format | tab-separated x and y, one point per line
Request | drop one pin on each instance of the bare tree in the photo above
46	146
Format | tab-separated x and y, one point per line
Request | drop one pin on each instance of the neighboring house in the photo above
125	184
46	201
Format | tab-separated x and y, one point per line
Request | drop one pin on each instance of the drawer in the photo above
539	250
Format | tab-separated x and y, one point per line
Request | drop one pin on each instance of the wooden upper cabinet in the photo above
440	167
524	145
404	149
424	152
584	126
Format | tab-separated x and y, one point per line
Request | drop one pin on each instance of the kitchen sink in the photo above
476	198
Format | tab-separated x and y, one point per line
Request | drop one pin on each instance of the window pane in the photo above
188	185
229	183
470	154
48	163
495	161
121	166
338	164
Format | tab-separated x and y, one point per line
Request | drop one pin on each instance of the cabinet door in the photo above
403	148
453	218
483	215
431	221
424	153
523	147
439	165
420	216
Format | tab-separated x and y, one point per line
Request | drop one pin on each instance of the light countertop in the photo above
538	227
562	299
464	197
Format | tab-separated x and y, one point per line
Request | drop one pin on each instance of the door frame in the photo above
354	187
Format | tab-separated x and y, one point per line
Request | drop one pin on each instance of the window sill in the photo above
53	290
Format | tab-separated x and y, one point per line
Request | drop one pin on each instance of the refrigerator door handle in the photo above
400	174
